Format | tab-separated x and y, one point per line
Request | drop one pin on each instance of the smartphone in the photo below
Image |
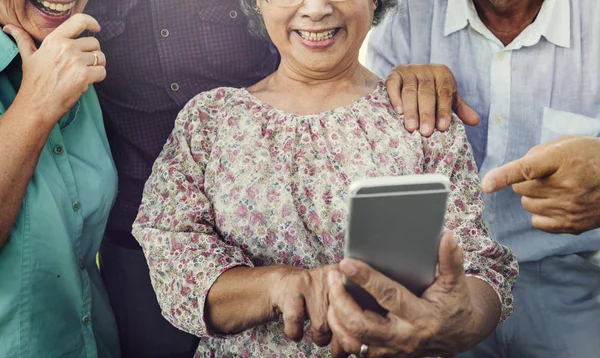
395	225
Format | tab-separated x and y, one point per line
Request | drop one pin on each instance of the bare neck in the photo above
507	19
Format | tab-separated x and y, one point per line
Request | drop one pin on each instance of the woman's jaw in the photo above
39	17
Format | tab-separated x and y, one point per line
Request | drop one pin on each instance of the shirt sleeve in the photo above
450	154
175	224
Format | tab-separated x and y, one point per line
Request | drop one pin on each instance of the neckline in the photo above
269	108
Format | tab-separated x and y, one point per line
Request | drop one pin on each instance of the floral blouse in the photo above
242	183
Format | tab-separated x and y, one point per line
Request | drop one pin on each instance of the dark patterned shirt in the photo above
159	55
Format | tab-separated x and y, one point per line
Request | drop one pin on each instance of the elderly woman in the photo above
57	184
243	217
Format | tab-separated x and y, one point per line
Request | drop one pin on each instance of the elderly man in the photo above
530	70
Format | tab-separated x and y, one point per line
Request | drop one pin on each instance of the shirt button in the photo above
233	14
174	87
85	319
498	119
58	149
501	56
164	33
76	206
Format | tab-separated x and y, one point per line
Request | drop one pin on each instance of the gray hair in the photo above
256	24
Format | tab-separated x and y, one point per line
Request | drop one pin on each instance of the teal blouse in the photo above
52	301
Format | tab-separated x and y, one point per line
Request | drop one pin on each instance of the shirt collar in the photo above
8	50
553	22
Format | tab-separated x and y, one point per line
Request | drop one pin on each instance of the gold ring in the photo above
95	59
364	349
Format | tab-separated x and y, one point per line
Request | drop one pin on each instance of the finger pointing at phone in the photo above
56	74
559	183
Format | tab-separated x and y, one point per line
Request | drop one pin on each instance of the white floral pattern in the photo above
242	183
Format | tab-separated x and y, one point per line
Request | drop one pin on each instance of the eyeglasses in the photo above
291	3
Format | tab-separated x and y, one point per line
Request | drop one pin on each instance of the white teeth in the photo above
317	36
57	7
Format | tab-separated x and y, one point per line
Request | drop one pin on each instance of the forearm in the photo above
240	299
487	308
22	138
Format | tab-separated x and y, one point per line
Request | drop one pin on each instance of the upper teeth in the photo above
317	36
57	7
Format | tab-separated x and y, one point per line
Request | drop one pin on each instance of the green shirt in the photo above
52	301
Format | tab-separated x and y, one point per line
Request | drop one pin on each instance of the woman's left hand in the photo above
427	95
444	321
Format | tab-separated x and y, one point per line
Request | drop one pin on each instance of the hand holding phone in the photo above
395	225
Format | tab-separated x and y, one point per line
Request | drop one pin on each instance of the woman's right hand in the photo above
61	70
301	294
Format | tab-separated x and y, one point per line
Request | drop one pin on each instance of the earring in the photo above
257	9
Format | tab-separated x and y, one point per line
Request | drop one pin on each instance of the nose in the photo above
316	10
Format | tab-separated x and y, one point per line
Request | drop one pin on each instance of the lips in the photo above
317	35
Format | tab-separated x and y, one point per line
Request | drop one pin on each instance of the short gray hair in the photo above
256	24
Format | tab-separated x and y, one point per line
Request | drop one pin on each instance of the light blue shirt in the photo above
52	301
542	86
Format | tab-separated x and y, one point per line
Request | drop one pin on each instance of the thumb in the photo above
24	41
450	261
466	114
532	166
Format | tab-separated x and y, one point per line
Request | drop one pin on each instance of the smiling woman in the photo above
57	185
244	215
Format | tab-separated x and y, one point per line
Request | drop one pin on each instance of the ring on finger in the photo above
95	59
364	349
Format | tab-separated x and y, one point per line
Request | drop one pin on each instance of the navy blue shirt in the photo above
159	55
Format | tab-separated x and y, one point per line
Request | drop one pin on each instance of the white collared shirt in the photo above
543	85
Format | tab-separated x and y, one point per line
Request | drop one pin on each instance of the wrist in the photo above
34	114
486	308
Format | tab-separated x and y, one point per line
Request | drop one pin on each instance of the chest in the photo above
286	182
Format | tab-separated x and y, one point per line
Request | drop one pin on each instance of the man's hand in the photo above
446	320
559	183
427	95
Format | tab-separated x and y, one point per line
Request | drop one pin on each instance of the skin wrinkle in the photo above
24	14
507	19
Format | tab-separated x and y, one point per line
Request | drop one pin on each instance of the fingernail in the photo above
442	122
425	128
411	124
332	278
348	267
399	109
6	30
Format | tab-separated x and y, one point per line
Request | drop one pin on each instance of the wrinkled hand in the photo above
427	95
559	183
442	322
60	71
300	295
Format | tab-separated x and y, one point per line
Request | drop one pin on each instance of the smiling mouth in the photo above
53	9
317	36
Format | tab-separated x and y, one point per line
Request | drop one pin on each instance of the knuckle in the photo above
426	82
294	317
527	170
390	297
427	113
444	91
